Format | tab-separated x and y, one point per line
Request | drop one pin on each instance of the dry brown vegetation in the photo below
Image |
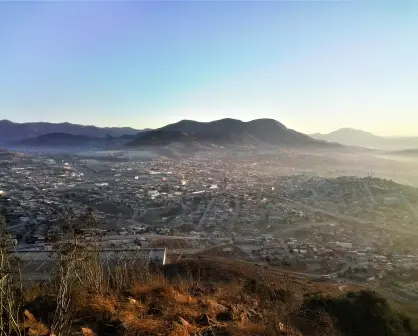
194	297
200	297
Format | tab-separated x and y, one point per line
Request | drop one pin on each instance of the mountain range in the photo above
226	132
11	131
61	140
189	133
412	153
354	137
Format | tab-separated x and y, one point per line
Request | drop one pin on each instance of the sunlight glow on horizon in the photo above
313	66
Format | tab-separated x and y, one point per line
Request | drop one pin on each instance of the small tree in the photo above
78	264
68	259
10	284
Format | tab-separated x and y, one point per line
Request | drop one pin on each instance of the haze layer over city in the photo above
282	134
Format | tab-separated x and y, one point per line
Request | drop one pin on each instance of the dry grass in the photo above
157	304
33	326
33	293
180	330
142	288
145	326
249	329
213	307
102	307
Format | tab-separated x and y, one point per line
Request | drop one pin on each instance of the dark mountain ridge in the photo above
227	132
59	139
188	133
11	131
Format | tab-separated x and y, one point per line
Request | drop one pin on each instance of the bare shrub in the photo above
10	286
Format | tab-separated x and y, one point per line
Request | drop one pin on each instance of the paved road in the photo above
16	226
321	276
341	288
152	237
234	217
297	227
384	293
412	210
136	210
133	237
199	226
351	219
387	294
372	198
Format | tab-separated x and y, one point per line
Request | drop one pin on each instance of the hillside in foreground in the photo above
206	297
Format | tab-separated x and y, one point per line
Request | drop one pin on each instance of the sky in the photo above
315	66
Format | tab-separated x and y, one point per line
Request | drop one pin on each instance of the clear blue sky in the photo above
315	66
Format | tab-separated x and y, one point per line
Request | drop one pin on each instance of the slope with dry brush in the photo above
200	297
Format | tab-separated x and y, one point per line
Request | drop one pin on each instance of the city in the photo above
344	229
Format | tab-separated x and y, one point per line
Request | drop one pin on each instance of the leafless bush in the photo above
81	268
10	287
65	283
123	274
71	258
281	304
92	272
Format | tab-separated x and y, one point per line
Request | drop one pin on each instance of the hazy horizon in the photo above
314	66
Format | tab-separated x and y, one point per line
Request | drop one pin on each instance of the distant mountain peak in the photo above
351	130
227	131
228	120
266	122
355	137
6	121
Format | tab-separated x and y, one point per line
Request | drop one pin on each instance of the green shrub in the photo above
361	313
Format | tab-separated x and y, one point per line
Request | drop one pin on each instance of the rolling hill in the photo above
10	131
354	137
227	132
70	141
60	140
